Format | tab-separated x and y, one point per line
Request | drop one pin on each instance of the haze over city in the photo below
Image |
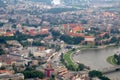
59	39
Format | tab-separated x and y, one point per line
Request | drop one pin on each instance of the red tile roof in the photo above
7	59
102	34
75	29
75	34
89	37
8	33
43	32
72	25
6	71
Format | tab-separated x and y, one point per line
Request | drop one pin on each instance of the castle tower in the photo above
49	70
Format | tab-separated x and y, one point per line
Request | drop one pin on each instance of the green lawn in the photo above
111	60
68	56
68	59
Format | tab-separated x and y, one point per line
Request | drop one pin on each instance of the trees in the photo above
104	78
55	34
1	24
81	67
22	38
84	21
35	43
77	40
30	72
98	74
2	41
33	74
115	31
117	58
106	36
12	20
71	40
95	73
113	40
2	51
67	39
2	68
71	67
52	77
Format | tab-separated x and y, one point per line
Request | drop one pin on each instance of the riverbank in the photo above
111	60
68	59
96	47
96	59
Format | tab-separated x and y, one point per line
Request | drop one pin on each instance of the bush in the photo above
95	73
33	74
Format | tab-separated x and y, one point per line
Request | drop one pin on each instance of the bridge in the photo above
110	69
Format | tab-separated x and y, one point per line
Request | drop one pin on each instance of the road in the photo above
56	58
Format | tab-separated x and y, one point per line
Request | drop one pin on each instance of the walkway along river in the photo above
96	59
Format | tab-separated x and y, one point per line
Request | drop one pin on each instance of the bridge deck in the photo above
109	69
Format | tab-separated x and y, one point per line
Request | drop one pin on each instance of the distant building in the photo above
80	77
77	29
102	34
8	59
18	76
89	39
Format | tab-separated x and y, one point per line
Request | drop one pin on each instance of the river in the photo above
96	59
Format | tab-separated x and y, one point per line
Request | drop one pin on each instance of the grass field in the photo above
68	59
111	60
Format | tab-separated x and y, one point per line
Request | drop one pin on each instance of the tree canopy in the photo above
71	40
2	51
117	58
33	74
95	73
